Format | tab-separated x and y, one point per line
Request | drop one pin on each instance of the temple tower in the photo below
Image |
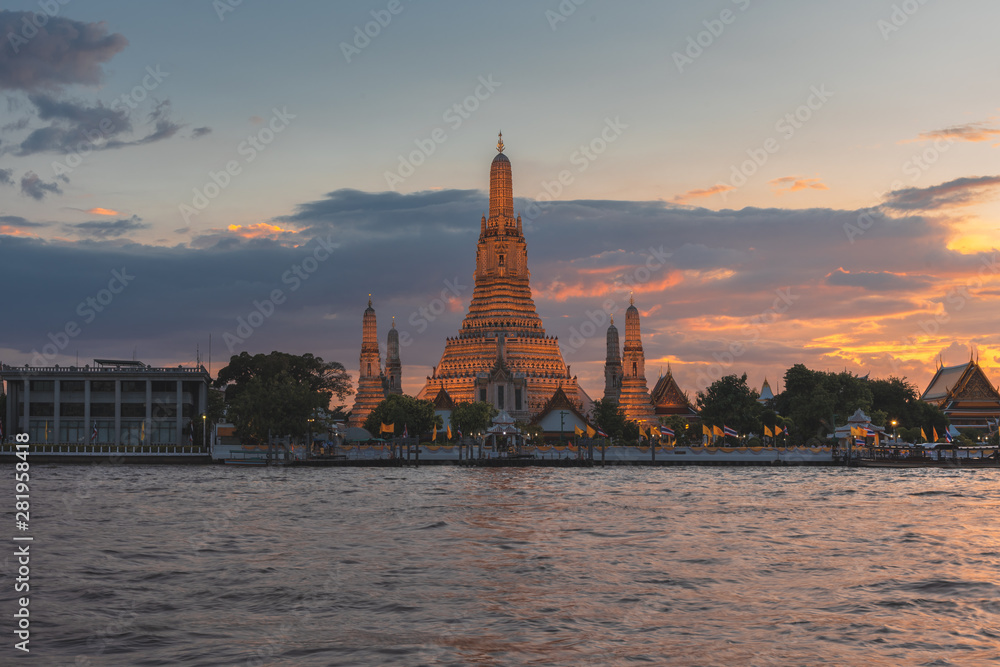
393	366
371	381
634	395
613	366
501	354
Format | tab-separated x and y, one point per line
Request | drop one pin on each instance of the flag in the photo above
716	431
142	432
434	433
729	431
923	436
768	431
406	434
706	431
46	430
578	431
876	440
449	431
387	428
669	432
871	433
778	430
934	432
590	431
602	433
459	428
947	436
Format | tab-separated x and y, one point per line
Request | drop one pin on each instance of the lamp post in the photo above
894	438
204	431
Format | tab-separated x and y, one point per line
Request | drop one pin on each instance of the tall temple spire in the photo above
634	396
502	354
371	389
613	365
501	188
393	366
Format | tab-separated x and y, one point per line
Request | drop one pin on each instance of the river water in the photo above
198	565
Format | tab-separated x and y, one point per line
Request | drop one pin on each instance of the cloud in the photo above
200	132
700	194
107	229
956	193
796	183
102	211
880	281
259	230
62	51
36	188
6	177
76	124
21	222
973	132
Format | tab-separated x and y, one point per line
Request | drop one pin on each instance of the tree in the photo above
404	412
472	417
995	439
683	433
214	414
731	402
278	393
611	419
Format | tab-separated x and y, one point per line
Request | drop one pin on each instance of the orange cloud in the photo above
700	194
796	183
103	211
972	132
7	230
259	230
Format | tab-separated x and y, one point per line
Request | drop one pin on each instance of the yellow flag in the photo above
434	433
768	431
876	439
449	431
590	431
923	436
706	431
142	432
718	431
577	430
934	431
777	430
388	428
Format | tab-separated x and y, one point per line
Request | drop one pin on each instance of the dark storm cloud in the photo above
33	186
960	192
61	52
105	229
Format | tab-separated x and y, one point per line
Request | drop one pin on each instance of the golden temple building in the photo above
625	380
966	395
502	354
372	383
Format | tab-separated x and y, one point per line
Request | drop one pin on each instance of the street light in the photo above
894	438
204	431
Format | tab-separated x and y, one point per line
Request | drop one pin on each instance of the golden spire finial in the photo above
631	299
393	321
612	320
500	142
369	300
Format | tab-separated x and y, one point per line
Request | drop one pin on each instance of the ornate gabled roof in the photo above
765	392
666	393
558	401
443	401
964	382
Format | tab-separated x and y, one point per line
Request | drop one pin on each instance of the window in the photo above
635	370
42	409
482	394
72	431
71	385
71	410
102	385
133	410
369	368
500	258
517	399
162	432
161	386
102	409
43	385
500	404
132	386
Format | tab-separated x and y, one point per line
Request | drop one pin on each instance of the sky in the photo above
774	182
